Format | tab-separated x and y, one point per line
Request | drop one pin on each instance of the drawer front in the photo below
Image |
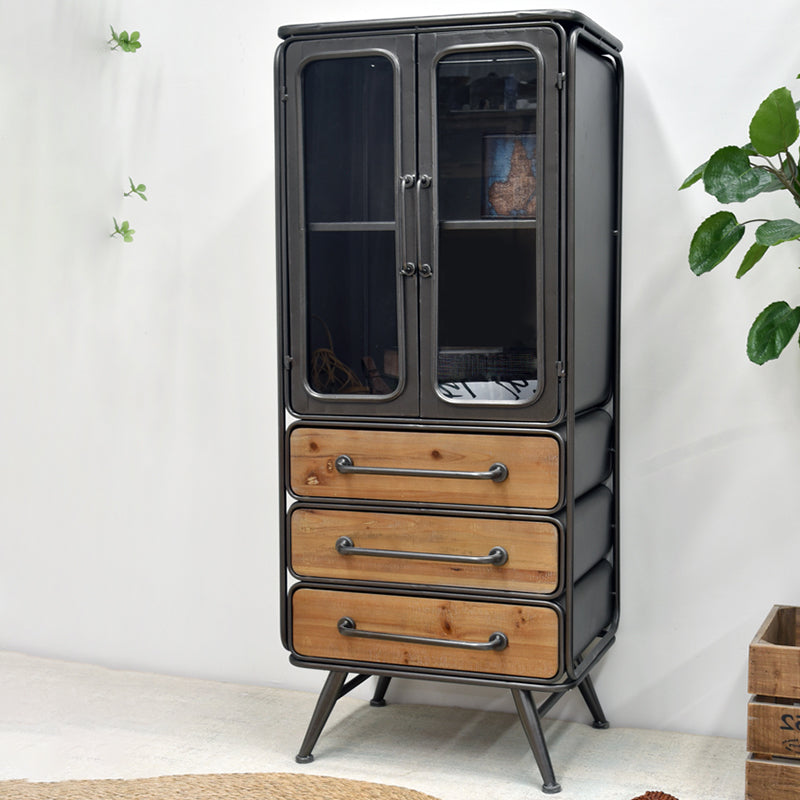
530	564
532	463
532	632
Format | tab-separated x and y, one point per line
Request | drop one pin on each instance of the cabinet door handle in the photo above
497	472
347	627
497	555
407	268
423	182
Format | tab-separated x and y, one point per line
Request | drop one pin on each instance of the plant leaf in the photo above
697	173
774	126
731	178
694	177
141	188
751	258
771	331
713	241
777	231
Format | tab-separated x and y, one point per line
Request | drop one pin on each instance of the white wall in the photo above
138	476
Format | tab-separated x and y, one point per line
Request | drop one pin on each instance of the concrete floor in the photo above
61	720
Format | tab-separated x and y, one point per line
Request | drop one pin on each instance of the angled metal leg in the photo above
590	697
378	699
529	717
330	693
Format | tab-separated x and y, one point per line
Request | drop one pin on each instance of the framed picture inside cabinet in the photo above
509	175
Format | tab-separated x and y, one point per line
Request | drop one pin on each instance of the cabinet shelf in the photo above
486	114
494	223
350	227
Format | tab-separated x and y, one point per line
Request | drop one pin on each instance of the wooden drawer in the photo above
532	632
532	548
532	462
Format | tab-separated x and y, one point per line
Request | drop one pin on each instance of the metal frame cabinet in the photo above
448	246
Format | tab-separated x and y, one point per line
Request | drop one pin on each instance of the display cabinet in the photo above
449	238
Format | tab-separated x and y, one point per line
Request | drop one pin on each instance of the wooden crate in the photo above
773	713
774	668
768	779
773	727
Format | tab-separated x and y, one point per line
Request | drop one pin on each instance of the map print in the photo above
510	176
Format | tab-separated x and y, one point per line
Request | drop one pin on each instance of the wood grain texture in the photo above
771	780
774	658
773	728
532	547
533	632
533	466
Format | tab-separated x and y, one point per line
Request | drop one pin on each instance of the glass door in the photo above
486	348
351	303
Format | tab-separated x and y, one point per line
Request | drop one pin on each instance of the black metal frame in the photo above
336	686
574	31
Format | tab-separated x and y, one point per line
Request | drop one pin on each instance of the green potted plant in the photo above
736	175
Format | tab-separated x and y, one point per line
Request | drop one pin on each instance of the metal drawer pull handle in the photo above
497	472
345	546
497	640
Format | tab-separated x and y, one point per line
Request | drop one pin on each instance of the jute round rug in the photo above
268	786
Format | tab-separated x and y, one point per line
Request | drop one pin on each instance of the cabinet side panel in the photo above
595	193
593	606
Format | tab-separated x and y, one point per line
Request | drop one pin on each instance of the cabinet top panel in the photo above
569	19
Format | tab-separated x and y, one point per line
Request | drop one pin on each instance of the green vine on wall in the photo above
124	230
128	43
138	190
123	41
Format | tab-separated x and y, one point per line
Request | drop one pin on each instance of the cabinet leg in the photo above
529	717
378	699
327	700
592	701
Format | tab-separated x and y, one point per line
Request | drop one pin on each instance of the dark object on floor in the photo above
655	796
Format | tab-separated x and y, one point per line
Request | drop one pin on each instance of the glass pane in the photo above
487	314
348	125
351	277
352	325
486	135
486	139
